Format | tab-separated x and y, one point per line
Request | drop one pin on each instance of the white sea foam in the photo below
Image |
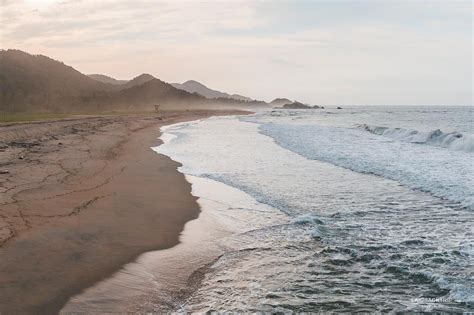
307	218
167	137
452	140
444	173
378	232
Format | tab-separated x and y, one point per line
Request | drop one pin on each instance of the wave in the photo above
307	218
452	140
446	174
458	291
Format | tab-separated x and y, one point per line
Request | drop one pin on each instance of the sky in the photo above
320	52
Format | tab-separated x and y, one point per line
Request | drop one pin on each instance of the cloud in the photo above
315	51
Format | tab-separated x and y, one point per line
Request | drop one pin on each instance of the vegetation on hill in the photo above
192	86
106	79
36	83
280	102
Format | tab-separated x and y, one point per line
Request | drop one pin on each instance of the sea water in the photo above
375	208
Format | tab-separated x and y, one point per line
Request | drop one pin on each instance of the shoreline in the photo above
159	280
165	281
83	198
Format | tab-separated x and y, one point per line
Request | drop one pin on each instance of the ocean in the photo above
367	208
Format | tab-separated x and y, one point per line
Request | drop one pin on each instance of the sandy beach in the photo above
80	199
248	157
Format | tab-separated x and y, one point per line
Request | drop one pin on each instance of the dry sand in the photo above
81	198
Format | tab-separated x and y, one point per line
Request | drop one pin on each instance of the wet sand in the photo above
81	199
167	281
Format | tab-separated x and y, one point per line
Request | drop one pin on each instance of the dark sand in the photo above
82	198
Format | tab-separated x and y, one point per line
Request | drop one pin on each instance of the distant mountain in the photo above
106	79
280	102
192	86
156	92
142	78
36	83
122	84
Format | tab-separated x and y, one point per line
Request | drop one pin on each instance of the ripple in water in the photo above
352	241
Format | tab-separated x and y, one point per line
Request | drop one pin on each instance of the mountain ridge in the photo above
193	86
37	83
106	79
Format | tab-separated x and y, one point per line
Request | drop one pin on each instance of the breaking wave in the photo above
452	140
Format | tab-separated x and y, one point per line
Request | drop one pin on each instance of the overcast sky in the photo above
321	52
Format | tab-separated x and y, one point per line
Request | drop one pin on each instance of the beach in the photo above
80	199
184	212
248	157
334	210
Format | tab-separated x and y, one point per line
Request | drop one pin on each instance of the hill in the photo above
192	86
36	83
122	84
156	92
280	102
142	78
106	79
